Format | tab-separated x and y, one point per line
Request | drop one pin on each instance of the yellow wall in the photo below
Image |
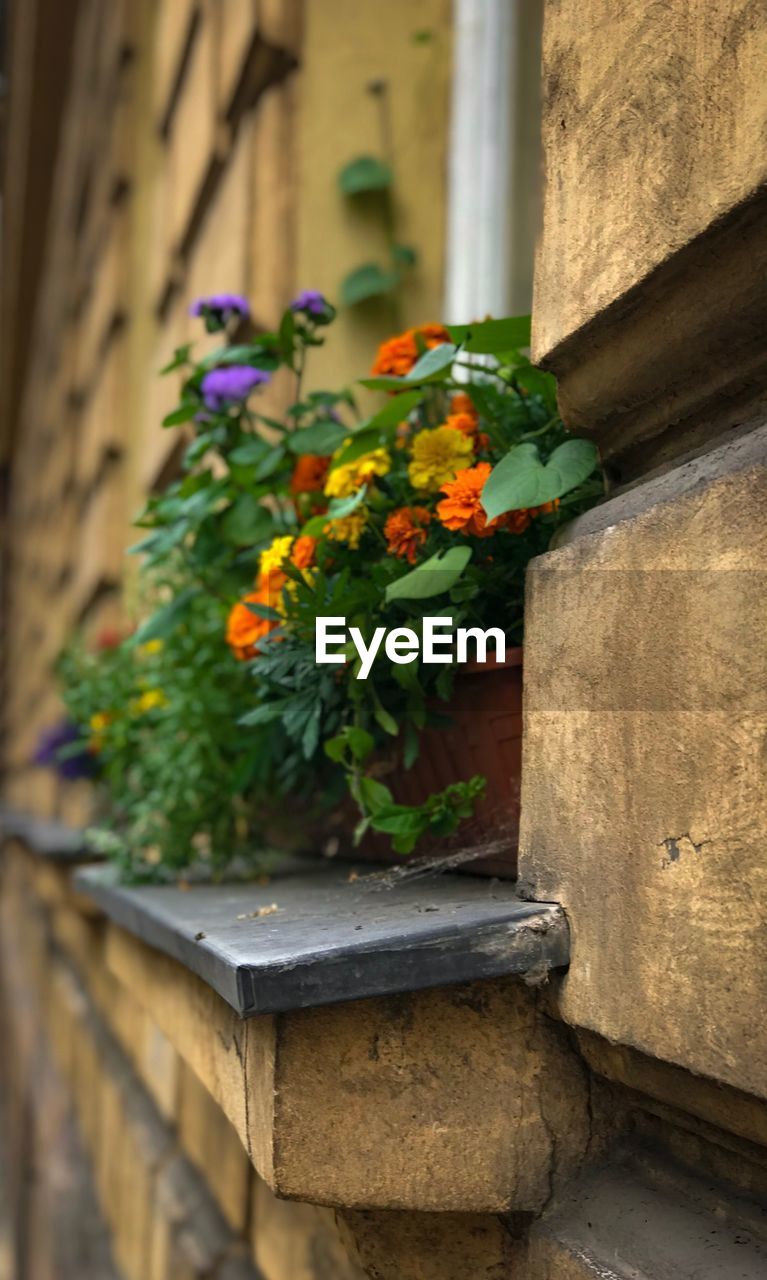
348	44
200	142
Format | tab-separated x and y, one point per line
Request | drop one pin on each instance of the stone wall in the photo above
198	150
611	1121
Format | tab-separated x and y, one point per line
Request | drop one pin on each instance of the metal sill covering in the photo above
334	937
45	837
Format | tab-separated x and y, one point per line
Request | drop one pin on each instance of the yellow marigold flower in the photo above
150	647
99	721
437	456
148	702
291	587
151	699
275	556
348	529
346	480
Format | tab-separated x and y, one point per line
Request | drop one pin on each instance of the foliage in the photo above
370	180
205	745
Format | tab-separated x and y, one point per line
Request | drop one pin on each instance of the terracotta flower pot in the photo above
486	738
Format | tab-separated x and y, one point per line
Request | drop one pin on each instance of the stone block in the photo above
652	245
374	1103
214	1147
430	1246
291	1241
643	800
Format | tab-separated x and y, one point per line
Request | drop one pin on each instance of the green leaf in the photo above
537	383
492	337
377	430
180	358
404	254
366	173
246	522
434	364
374	795
265	714
165	619
263	611
270	463
250	354
184	413
382	716
363	440
400	820
394	411
286	337
311	734
367	281
197	450
335	748
431	578
250	453
411	747
338	508
315	527
359	741
522	480
321	437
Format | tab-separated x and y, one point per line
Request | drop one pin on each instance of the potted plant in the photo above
421	516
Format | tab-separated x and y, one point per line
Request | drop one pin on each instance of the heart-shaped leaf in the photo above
433	366
521	479
432	578
367	281
493	337
366	173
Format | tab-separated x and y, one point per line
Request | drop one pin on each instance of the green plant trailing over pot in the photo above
214	718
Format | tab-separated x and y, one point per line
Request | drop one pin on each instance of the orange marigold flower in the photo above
397	355
302	555
516	521
463	417
466	423
461	403
405	531
546	509
461	508
244	629
309	473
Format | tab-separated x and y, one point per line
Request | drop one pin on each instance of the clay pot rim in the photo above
513	659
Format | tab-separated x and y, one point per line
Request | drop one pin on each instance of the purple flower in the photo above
219	308
230	384
53	741
312	302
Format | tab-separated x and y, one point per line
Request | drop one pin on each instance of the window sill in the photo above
333	939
